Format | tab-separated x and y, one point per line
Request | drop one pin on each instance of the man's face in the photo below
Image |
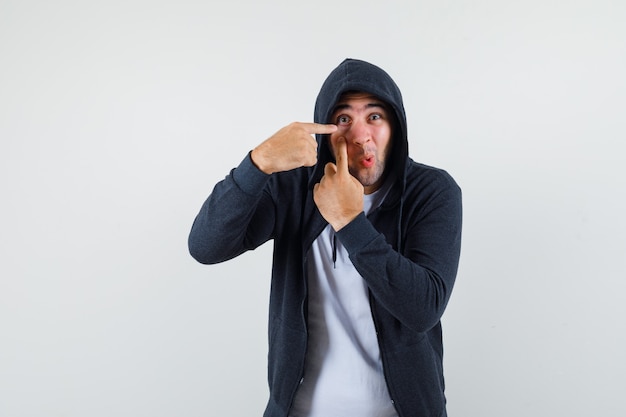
365	123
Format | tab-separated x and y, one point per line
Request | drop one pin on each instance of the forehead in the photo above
357	100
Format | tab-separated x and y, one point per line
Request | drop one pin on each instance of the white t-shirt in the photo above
343	370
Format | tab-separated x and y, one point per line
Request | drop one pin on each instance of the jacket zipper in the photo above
304	316
383	356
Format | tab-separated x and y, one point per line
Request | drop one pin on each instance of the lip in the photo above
368	161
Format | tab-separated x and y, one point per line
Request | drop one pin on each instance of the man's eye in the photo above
376	116
342	120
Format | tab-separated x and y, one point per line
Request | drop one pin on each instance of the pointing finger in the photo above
319	128
342	155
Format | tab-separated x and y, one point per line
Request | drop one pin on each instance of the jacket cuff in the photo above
357	234
249	178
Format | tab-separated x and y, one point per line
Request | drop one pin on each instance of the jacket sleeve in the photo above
413	285
237	216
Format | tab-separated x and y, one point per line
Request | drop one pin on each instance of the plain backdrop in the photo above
118	117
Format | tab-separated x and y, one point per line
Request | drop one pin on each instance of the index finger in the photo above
319	128
341	156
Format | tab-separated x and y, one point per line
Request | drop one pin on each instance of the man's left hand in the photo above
338	195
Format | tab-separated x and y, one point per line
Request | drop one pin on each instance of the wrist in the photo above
259	162
339	224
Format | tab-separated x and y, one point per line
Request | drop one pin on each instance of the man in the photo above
366	250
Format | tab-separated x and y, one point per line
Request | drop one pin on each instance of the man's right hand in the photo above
293	146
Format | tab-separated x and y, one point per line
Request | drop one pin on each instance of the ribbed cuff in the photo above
249	178
357	234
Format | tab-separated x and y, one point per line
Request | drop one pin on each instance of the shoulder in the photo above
422	176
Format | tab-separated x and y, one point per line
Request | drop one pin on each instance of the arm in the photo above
227	225
415	281
414	285
239	214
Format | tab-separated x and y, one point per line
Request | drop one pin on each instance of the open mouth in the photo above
368	161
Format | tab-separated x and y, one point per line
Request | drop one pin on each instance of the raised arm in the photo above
413	282
239	214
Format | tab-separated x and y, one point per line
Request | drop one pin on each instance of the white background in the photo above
117	117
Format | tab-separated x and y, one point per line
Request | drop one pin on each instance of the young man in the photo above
366	250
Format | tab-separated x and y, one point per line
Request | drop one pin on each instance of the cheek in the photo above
332	141
384	140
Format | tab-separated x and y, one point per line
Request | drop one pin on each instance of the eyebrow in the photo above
367	106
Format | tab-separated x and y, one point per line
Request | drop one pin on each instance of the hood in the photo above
359	76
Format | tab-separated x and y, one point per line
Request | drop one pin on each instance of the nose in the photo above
359	133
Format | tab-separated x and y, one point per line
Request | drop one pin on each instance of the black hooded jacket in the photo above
407	251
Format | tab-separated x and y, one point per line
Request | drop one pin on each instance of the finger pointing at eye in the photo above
342	156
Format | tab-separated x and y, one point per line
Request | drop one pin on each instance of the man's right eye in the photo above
343	120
